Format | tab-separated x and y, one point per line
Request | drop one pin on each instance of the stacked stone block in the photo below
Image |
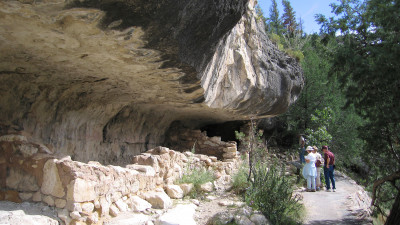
188	140
89	193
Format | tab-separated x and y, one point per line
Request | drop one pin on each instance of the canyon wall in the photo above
104	80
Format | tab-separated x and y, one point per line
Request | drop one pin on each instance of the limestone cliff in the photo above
104	80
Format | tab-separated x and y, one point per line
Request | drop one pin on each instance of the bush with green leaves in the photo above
239	179
271	193
196	176
318	135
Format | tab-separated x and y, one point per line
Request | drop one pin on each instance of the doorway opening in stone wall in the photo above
211	139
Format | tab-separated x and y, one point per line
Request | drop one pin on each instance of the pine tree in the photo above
367	64
274	21
289	18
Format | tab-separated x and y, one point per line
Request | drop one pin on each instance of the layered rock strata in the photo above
104	80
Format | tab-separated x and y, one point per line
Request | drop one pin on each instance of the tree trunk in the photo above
394	216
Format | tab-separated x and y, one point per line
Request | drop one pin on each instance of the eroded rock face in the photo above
104	80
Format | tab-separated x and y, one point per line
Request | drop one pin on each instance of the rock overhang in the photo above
97	80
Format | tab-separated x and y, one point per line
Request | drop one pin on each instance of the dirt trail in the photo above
348	205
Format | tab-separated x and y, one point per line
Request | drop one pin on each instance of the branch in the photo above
379	182
389	140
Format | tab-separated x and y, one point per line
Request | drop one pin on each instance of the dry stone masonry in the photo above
194	140
87	87
91	193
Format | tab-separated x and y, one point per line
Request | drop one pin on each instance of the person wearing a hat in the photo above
309	170
318	164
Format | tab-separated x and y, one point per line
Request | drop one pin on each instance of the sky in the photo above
306	9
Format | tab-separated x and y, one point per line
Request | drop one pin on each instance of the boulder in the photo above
230	149
129	219
259	219
37	197
230	155
158	200
139	204
63	214
180	215
105	206
48	200
146	170
80	190
243	220
26	214
207	187
60	203
25	196
87	207
51	180
75	215
114	211
122	206
174	191
221	218
186	188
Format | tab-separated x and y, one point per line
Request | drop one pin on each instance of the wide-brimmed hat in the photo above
309	148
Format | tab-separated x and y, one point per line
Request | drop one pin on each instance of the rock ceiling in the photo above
100	79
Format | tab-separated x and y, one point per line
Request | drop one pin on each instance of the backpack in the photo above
318	163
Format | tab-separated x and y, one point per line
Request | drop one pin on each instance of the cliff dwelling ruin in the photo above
88	87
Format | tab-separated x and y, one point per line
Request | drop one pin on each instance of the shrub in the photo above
298	55
197	177
275	38
272	194
239	179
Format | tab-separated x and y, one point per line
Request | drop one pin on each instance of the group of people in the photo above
312	168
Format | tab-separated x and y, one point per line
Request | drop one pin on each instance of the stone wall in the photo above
89	193
182	139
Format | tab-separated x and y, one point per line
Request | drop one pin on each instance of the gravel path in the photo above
340	207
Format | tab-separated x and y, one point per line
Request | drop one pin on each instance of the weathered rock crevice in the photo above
105	80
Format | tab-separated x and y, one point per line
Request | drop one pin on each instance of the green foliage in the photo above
289	41
319	135
298	55
259	13
255	146
366	65
197	177
289	18
274	22
239	179
276	39
272	194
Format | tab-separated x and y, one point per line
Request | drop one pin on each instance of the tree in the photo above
260	14
274	21
289	18
255	147
366	64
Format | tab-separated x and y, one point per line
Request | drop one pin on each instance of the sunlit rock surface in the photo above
104	80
